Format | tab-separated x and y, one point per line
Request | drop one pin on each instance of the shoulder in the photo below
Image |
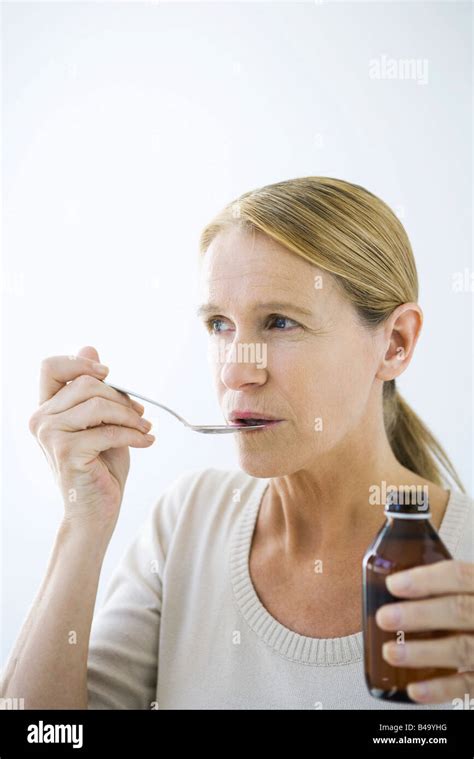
196	487
203	500
457	527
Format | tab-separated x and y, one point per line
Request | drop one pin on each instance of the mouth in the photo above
252	418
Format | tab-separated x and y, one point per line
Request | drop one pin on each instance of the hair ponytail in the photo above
414	446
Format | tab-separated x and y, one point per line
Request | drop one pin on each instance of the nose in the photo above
243	365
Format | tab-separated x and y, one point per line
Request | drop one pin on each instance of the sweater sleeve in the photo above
122	666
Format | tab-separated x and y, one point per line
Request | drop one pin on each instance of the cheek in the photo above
328	384
344	383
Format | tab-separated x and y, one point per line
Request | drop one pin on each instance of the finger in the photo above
86	445
452	651
57	370
88	351
95	411
81	389
441	613
443	688
450	576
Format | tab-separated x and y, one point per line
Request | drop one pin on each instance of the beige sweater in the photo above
182	627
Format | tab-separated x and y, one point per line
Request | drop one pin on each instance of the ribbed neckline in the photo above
285	642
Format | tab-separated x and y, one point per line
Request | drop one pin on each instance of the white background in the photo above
126	127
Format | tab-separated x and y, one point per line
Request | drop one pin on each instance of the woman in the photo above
243	589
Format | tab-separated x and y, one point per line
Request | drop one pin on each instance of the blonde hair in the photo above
347	231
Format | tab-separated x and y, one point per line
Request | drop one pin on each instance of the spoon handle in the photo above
148	400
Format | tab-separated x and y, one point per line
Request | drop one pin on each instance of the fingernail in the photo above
394	652
389	615
150	438
101	368
399	582
138	407
418	691
144	424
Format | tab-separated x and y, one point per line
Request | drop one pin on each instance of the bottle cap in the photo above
409	500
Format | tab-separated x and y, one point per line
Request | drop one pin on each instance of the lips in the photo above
251	417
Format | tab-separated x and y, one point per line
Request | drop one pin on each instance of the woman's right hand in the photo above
84	428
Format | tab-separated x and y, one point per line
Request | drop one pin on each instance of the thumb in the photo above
89	352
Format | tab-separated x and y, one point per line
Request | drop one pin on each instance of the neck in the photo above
326	507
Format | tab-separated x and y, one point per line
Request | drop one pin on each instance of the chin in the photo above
258	465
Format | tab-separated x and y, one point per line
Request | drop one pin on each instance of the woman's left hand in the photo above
447	589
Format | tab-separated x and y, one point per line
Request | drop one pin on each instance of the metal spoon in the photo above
219	429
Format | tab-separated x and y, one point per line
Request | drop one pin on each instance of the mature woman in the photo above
243	589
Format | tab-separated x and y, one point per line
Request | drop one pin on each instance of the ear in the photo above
401	331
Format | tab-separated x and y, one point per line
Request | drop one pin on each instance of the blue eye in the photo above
277	320
274	320
210	325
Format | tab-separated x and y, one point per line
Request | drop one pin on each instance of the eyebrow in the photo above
211	308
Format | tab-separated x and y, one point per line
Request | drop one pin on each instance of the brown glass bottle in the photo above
407	539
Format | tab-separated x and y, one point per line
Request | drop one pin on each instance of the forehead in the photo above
245	261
